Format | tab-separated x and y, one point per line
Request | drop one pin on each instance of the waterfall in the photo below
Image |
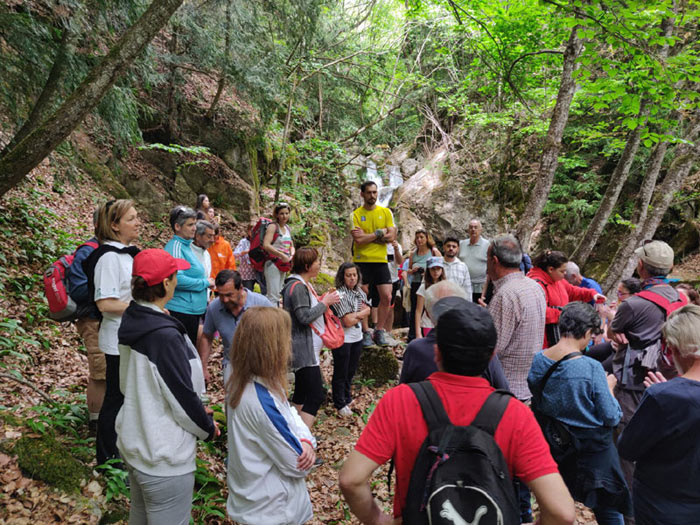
384	192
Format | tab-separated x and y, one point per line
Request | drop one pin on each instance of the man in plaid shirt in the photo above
518	311
455	270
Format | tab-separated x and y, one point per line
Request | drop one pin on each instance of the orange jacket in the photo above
221	256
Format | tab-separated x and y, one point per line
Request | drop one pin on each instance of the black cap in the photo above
463	326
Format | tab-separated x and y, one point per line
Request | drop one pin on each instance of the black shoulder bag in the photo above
562	443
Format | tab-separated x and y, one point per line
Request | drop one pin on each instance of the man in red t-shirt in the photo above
466	338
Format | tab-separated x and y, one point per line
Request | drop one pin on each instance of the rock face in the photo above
440	201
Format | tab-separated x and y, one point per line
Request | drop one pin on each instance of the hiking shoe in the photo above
380	338
345	411
391	341
367	339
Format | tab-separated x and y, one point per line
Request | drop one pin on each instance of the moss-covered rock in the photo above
380	364
46	459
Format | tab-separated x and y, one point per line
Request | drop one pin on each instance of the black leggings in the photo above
113	401
345	361
191	323
309	391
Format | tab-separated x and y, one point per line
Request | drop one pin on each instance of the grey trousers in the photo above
159	500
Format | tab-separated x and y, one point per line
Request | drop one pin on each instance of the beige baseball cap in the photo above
656	253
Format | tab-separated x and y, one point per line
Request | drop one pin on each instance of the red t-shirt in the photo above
397	430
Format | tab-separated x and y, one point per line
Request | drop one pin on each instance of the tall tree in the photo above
685	155
626	249
16	163
548	164
622	169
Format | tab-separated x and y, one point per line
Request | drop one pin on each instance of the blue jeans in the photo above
608	516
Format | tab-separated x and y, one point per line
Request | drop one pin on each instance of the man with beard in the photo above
372	228
455	270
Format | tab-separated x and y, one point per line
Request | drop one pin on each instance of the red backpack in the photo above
258	256
663	303
334	336
61	307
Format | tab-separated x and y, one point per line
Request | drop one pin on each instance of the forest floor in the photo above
42	360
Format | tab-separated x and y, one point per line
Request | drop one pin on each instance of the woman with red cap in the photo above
162	379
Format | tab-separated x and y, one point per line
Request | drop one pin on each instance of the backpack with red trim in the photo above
61	307
257	255
663	303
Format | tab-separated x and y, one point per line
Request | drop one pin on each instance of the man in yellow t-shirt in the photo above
372	228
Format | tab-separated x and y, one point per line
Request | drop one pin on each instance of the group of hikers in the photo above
519	376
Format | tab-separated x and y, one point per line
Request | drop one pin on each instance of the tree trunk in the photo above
28	153
612	193
548	165
624	253
227	61
621	173
48	95
685	155
172	88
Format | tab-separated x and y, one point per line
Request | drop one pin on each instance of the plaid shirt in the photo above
458	272
518	310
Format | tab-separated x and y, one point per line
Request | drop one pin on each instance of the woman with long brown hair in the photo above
425	248
271	450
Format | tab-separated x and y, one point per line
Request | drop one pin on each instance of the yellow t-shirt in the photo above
371	221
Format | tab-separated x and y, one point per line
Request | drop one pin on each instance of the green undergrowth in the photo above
49	460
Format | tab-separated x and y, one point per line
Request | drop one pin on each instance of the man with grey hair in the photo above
472	252
518	310
419	356
190	300
638	322
204	236
573	275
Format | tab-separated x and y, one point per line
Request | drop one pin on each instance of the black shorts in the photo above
374	274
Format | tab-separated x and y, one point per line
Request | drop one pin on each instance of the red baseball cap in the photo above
154	265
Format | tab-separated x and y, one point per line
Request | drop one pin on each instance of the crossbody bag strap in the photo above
552	368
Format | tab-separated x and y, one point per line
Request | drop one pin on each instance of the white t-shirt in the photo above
203	257
425	321
320	325
112	281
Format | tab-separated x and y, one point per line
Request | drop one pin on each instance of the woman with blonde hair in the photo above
271	450
662	436
108	270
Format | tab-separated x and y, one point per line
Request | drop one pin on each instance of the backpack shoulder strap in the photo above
657	299
663	303
492	410
433	409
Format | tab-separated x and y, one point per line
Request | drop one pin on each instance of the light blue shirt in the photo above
576	393
220	319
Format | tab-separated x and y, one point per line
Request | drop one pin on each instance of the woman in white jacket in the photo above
271	450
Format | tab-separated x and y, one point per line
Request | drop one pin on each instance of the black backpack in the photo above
89	265
460	475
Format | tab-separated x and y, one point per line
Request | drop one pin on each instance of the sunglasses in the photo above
644	246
